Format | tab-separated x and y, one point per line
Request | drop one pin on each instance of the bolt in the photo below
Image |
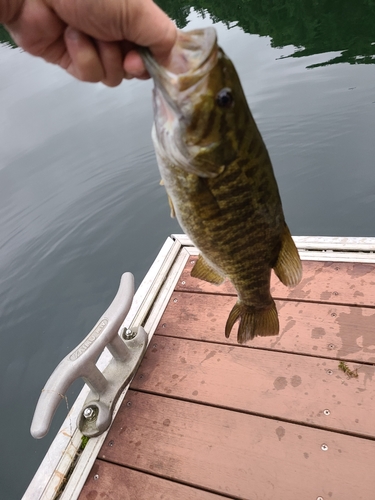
183	282
333	314
110	443
192	262
128	334
331	346
96	477
89	413
327	412
164	325
129	403
320	498
324	447
174	300
335	293
329	372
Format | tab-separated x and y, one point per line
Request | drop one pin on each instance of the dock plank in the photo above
306	328
206	418
275	384
330	282
242	456
113	482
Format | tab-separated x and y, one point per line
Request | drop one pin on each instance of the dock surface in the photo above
276	419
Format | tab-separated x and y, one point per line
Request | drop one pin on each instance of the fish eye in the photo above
224	98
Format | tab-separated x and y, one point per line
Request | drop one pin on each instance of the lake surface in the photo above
80	201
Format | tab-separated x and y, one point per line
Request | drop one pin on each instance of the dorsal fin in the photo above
288	267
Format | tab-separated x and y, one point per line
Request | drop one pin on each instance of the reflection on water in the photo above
80	200
5	38
79	197
311	27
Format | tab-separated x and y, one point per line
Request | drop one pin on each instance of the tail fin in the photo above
288	267
253	322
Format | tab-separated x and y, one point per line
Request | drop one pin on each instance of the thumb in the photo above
141	22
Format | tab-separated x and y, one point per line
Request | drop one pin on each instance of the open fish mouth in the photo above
192	57
178	87
182	96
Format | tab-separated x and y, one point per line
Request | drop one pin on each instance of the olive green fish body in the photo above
220	182
226	218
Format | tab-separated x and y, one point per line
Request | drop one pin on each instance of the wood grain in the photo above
109	481
242	456
275	384
329	282
316	329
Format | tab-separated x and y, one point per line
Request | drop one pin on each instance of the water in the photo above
80	201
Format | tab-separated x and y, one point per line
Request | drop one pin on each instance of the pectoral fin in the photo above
173	212
288	267
205	272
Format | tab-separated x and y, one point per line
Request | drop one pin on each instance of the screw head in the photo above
183	282
128	334
96	477
324	447
320	498
89	413
329	372
174	300
327	412
331	346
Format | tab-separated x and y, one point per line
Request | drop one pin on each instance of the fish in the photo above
219	179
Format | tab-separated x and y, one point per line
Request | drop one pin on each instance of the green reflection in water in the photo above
5	37
312	26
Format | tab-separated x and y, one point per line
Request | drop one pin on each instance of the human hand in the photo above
93	41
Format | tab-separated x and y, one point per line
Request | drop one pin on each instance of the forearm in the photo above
9	10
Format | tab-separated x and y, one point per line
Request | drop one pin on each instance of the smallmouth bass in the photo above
219	179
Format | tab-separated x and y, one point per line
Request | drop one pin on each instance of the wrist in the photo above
10	10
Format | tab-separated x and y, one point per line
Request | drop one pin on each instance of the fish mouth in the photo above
178	87
192	57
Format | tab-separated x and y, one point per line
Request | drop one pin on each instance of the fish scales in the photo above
219	179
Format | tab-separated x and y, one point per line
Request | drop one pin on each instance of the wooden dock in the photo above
277	419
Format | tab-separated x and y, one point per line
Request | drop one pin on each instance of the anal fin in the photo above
288	267
202	270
